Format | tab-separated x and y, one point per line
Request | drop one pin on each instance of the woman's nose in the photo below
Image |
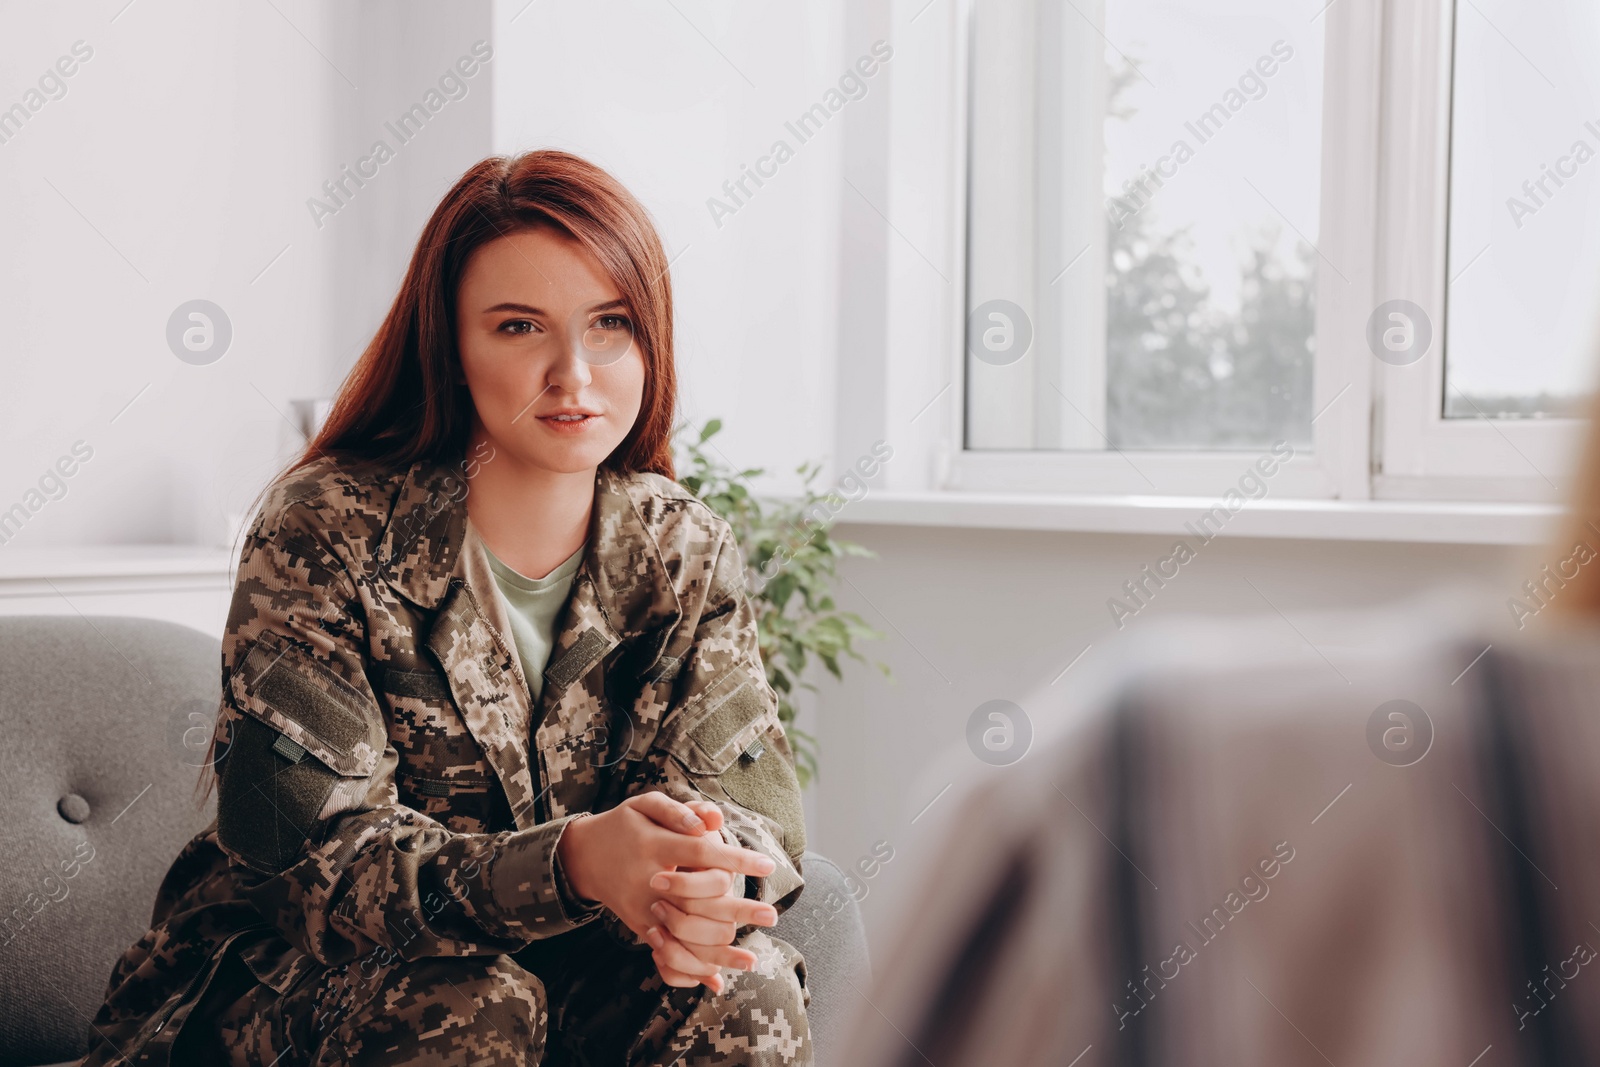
572	367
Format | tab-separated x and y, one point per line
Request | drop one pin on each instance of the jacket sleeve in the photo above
307	808
720	738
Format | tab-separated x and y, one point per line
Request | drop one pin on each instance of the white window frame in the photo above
1422	454
1379	434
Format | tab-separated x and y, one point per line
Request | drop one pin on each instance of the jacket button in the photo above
73	808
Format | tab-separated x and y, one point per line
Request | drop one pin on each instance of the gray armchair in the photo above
103	722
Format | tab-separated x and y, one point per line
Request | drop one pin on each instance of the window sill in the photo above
1328	520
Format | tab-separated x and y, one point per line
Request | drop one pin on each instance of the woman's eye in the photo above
516	326
612	322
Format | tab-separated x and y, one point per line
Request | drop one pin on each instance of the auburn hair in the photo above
404	399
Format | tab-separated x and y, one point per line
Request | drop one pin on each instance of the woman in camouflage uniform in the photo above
414	860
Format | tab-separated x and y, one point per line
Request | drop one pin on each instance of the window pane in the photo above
1210	275
1524	209
1151	186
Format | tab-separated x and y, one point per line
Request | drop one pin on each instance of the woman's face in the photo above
548	352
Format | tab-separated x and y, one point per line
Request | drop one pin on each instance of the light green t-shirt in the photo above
534	604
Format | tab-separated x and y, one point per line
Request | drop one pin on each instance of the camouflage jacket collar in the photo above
422	548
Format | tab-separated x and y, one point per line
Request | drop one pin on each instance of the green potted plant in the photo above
789	562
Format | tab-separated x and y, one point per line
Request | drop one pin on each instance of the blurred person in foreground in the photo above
1239	857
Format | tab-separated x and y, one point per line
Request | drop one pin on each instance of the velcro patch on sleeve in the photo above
293	694
722	733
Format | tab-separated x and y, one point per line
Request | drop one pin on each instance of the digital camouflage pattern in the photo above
380	883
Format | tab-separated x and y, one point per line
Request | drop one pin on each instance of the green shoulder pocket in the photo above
286	689
735	736
298	728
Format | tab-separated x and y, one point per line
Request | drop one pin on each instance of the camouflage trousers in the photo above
591	1003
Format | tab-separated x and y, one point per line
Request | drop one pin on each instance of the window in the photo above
1524	197
1199	228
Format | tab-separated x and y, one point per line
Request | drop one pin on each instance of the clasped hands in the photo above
662	867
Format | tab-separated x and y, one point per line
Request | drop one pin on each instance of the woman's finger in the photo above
674	977
741	911
714	882
686	981
681	980
709	814
693	928
726	957
711	851
717	954
676	955
668	813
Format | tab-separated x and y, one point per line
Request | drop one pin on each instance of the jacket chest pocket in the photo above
638	684
442	771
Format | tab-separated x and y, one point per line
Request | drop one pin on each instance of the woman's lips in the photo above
566	424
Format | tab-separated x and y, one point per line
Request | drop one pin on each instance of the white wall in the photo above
177	166
976	615
187	146
190	142
674	108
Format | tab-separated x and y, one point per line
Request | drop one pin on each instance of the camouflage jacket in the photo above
387	789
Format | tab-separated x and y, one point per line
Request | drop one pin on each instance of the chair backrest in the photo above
104	724
825	925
